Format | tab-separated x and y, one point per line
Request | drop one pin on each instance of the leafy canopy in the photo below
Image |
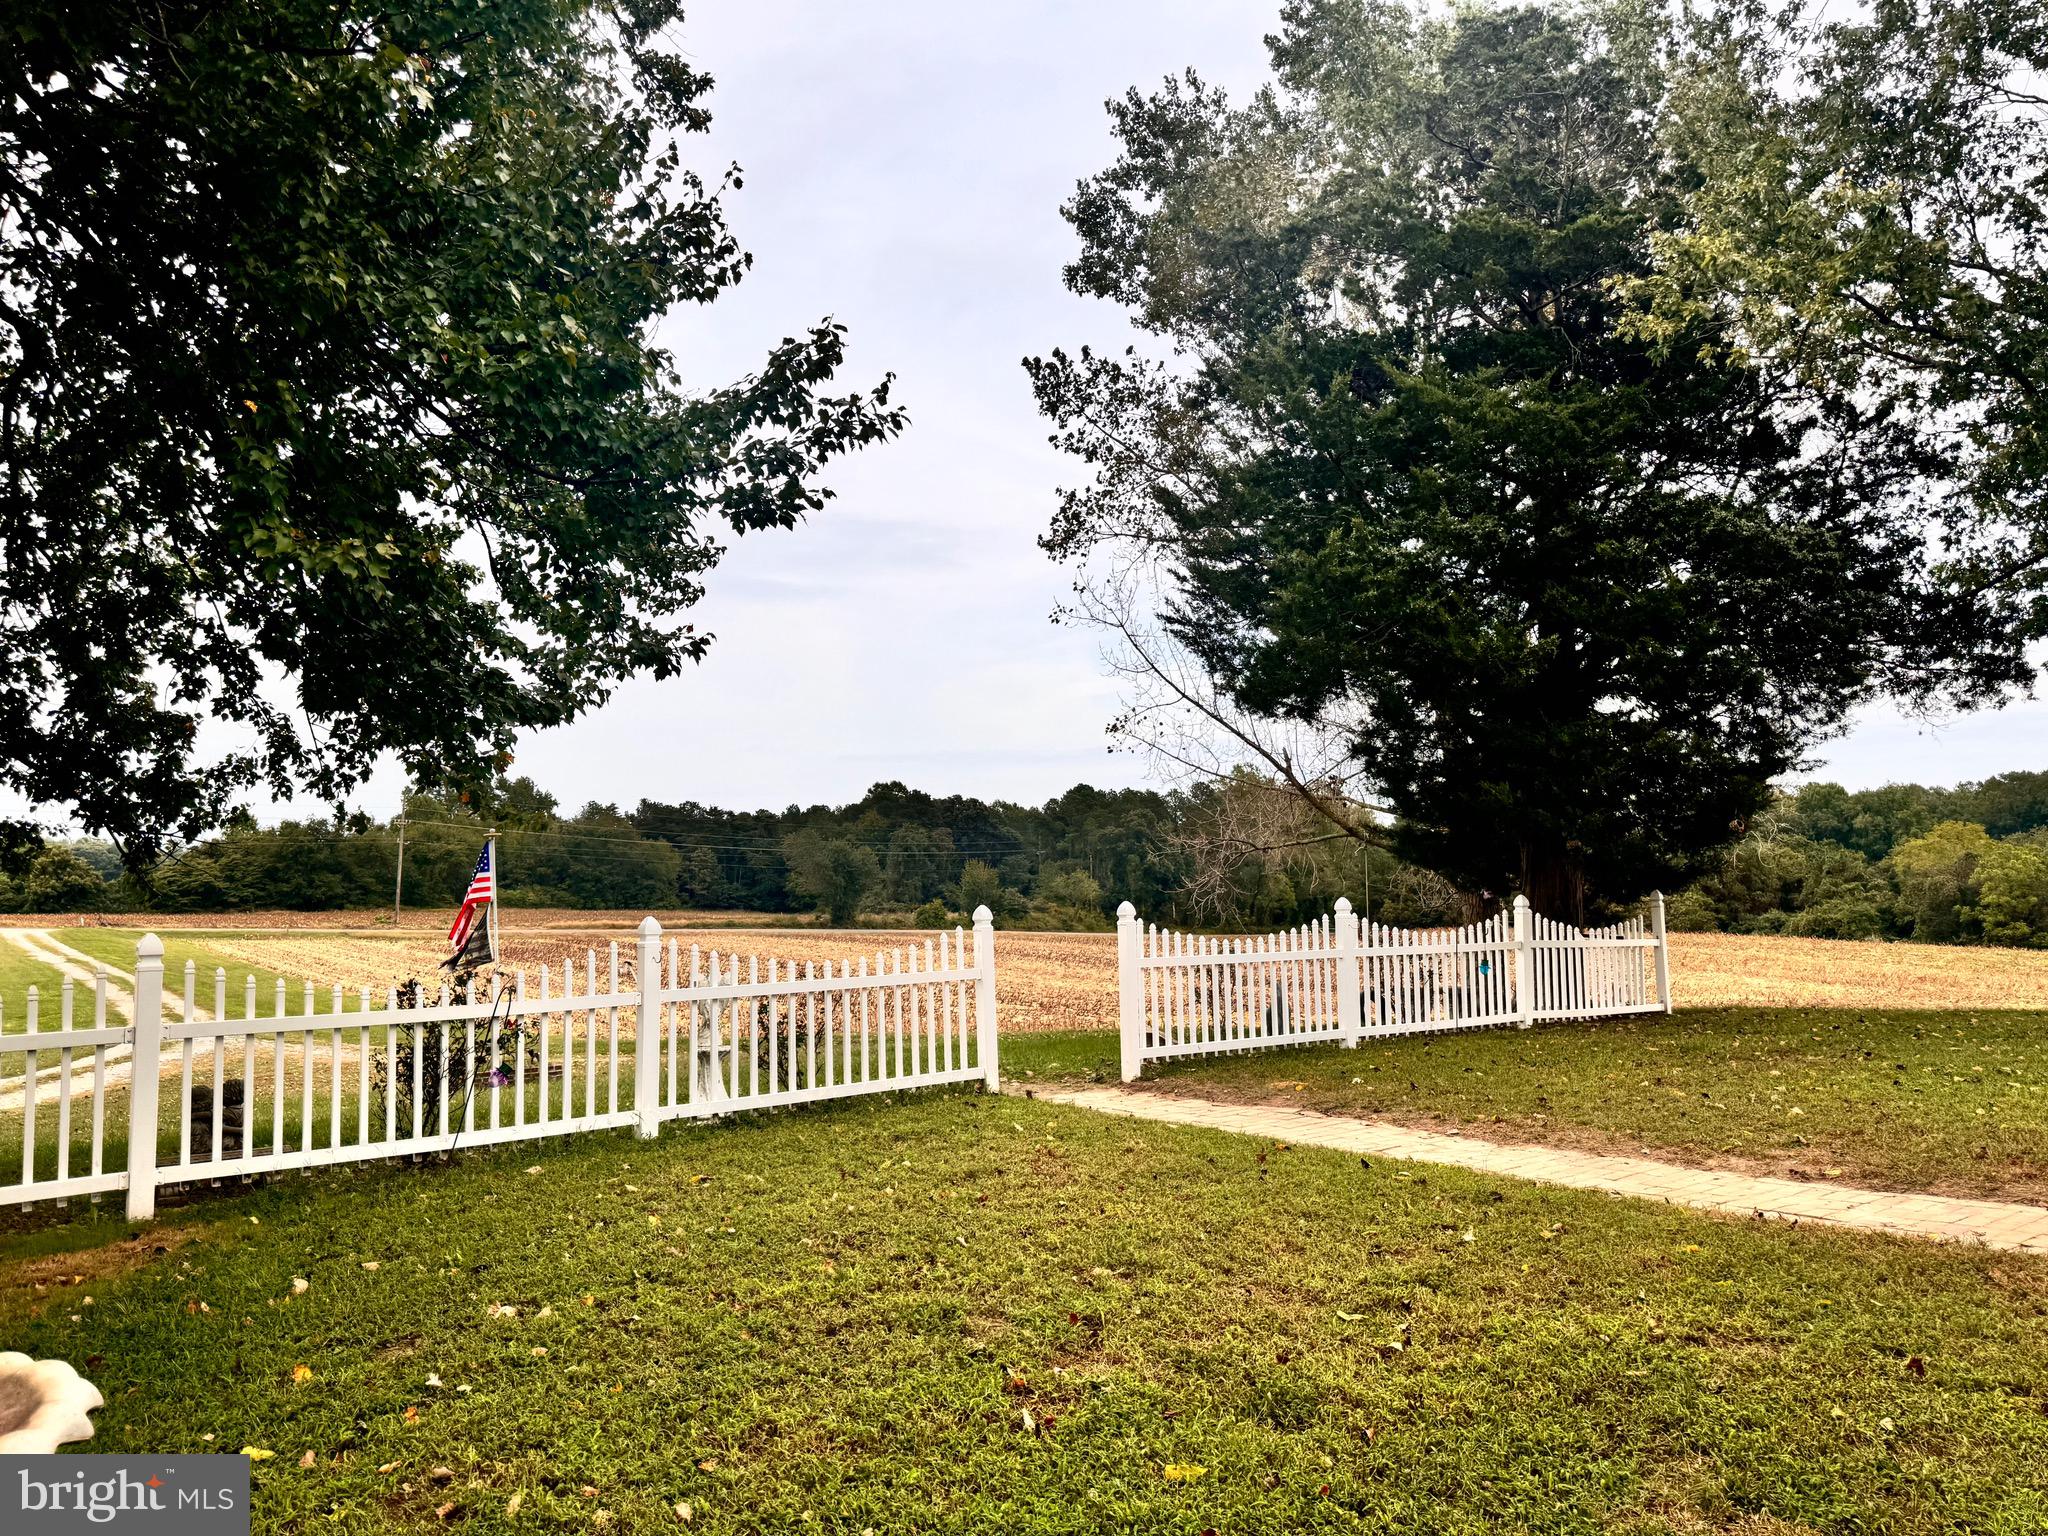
329	399
1573	597
1872	209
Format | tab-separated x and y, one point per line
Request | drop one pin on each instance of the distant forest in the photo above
1968	864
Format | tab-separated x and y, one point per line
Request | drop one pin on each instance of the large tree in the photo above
1566	599
330	404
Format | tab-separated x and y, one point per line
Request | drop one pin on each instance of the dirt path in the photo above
84	970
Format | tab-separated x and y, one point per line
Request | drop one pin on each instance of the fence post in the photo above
1130	994
985	996
647	1031
1525	966
1663	950
1350	978
143	1070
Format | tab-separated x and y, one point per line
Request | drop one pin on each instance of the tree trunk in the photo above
1555	883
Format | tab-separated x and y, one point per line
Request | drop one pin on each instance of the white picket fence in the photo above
685	1033
1337	979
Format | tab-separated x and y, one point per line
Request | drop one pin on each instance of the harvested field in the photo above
1043	980
1066	981
1726	970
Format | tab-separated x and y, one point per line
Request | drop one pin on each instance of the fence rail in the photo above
1337	979
635	1036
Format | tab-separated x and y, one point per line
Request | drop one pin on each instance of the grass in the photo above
18	972
116	947
1948	1102
958	1313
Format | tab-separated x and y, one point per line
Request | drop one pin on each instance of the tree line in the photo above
897	851
1963	864
1968	864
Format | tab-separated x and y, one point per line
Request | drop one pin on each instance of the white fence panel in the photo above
734	1037
1339	980
345	1078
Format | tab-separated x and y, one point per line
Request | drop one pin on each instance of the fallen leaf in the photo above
1916	1366
257	1453
302	1374
1468	1236
300	1285
387	1469
372	1265
442	1474
306	1460
512	1504
1183	1471
684	1511
412	1414
534	1169
442	1512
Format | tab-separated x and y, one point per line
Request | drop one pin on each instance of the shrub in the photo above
932	914
1690	912
1844	917
419	1055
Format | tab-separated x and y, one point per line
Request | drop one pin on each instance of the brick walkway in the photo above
1992	1223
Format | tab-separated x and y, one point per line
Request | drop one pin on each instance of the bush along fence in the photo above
671	1032
1337	979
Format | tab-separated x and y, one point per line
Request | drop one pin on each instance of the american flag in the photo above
483	889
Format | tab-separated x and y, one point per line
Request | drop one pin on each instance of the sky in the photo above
904	167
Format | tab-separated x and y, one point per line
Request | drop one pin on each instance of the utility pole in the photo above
398	891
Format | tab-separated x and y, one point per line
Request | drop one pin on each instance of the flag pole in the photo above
497	879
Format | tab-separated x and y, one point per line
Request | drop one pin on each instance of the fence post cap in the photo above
1343	903
1125	910
1521	900
151	948
649	927
983	915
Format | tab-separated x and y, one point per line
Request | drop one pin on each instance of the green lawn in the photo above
1951	1102
18	972
956	1313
